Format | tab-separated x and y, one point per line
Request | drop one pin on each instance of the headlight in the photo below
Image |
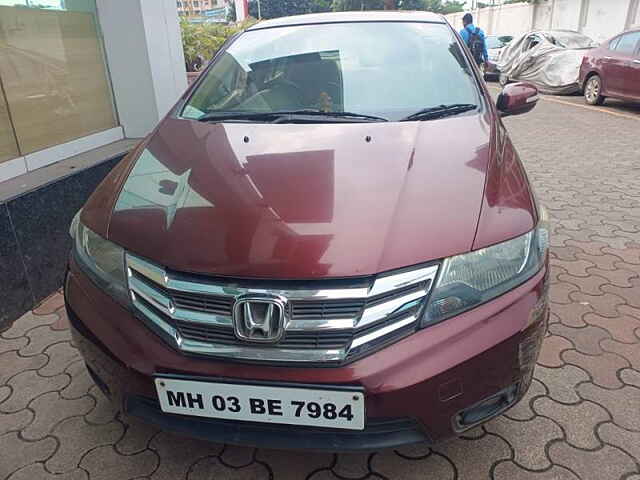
474	278
102	260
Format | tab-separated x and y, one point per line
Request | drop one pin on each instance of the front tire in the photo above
593	91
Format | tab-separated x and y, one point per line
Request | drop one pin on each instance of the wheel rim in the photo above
593	90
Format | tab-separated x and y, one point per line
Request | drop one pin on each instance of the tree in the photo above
347	5
413	5
318	6
279	8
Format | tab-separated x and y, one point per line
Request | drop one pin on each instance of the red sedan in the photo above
613	69
329	243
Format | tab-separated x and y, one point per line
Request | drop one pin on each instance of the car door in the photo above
619	70
634	79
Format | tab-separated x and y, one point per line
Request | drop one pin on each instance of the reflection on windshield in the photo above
382	69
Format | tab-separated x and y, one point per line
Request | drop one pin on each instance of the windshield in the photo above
571	40
386	69
498	42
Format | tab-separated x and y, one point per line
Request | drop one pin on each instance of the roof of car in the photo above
346	17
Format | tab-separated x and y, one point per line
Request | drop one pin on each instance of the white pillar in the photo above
633	14
143	46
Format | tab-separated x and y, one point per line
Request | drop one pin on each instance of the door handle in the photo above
636	61
607	58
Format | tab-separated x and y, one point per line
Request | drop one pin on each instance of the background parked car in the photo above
550	59
495	46
613	69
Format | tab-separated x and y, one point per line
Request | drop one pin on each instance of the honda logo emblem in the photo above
259	319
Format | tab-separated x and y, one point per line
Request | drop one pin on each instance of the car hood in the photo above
299	201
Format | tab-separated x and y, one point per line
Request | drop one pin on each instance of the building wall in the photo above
195	7
600	19
605	18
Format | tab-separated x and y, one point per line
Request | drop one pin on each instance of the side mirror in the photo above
517	98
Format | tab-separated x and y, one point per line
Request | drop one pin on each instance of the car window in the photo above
388	69
613	43
628	42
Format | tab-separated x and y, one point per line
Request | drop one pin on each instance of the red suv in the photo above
328	243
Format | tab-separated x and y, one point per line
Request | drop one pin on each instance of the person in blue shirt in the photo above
474	37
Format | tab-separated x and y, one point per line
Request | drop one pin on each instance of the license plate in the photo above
257	403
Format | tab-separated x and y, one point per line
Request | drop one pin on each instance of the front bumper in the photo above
416	390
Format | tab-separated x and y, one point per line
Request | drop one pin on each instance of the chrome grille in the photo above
325	310
203	303
329	323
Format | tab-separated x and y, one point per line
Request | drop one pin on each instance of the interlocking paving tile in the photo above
575	268
571	418
7	345
292	465
522	410
17	453
136	436
561	382
552	347
36	471
571	314
28	385
42	337
602	368
606	463
620	328
76	438
356	465
624	440
50	409
211	467
12	364
511	471
606	304
619	277
630	377
60	356
104	411
630	295
561	292
27	322
603	262
391	465
630	352
591	284
15	421
585	339
629	255
178	454
236	457
474	458
80	383
622	404
528	439
104	463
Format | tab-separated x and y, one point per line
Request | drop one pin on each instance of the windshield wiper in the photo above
440	111
285	115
